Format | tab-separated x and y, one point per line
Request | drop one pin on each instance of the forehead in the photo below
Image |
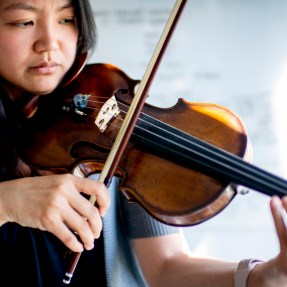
7	5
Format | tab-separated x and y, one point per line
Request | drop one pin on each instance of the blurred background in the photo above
229	52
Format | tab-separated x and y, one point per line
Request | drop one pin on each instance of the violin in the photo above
163	164
182	164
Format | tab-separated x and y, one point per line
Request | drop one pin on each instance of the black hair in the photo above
8	157
86	25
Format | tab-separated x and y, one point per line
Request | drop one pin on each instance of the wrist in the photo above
243	270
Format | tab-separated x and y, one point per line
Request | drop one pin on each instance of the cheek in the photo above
12	53
68	55
6	52
69	43
9	63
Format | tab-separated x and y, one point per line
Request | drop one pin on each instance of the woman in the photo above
40	41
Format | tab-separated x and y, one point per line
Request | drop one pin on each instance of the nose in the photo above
47	39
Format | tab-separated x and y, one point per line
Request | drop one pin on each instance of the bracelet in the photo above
242	271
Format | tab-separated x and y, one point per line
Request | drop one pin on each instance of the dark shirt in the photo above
34	258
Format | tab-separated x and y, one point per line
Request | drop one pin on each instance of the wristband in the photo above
242	271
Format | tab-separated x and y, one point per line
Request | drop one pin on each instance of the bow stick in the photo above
132	115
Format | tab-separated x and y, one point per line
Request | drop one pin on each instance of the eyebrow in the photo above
19	6
28	7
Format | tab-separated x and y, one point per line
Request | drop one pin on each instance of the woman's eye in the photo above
23	24
68	21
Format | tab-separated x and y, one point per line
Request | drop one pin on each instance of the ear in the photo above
77	67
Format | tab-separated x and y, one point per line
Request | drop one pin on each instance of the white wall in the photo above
230	52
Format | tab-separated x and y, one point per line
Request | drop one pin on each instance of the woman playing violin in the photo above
40	41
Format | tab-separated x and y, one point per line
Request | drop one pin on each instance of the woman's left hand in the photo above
273	273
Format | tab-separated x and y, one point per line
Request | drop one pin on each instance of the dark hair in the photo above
86	25
8	157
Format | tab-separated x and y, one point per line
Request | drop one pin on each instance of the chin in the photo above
44	90
44	85
42	93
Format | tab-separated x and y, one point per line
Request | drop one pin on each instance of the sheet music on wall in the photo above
231	53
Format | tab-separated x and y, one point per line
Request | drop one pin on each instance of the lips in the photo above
45	68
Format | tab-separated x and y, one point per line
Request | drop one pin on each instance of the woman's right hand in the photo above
53	203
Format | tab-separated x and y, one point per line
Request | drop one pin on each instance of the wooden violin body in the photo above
159	169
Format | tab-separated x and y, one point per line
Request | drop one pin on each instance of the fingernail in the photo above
96	234
80	248
90	247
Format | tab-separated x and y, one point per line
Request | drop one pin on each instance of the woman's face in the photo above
38	43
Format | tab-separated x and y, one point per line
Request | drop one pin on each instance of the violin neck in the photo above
195	153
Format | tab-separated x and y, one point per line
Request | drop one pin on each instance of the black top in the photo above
31	257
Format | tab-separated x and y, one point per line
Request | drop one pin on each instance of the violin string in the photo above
207	152
223	162
149	123
229	162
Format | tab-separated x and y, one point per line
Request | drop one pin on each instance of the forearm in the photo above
164	263
195	272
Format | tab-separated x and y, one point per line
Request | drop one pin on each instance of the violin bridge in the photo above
108	111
